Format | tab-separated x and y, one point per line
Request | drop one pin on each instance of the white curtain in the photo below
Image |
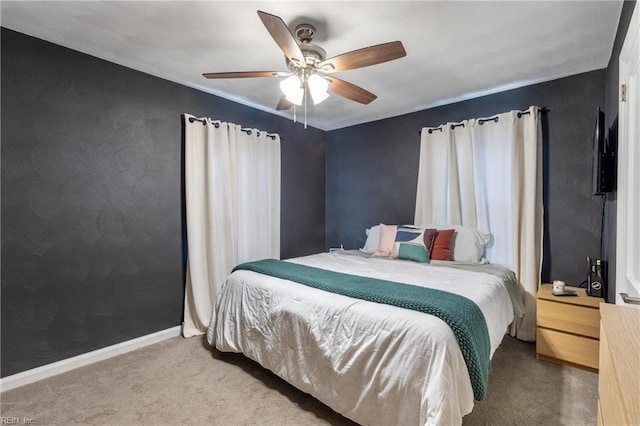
487	173
232	191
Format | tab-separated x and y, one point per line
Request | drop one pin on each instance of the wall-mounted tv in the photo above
604	159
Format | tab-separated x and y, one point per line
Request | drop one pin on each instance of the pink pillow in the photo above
386	246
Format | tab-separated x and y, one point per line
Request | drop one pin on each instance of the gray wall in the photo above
372	169
609	243
93	243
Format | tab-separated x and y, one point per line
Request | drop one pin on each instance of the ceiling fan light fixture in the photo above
318	87
292	89
309	69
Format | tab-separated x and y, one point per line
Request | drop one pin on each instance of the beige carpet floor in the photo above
183	382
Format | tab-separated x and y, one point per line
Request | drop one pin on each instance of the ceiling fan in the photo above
310	70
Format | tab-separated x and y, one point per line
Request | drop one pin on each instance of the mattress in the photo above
372	363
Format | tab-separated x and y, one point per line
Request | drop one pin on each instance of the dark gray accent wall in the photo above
93	244
93	232
612	93
372	169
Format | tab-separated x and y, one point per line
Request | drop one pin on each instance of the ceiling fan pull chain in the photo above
305	106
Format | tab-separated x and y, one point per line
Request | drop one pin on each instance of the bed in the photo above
371	362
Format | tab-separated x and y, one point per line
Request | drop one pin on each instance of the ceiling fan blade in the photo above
350	91
283	37
364	57
283	103
245	74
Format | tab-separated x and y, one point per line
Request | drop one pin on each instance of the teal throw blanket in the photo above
461	314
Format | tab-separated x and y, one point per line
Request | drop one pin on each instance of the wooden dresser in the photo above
619	376
568	327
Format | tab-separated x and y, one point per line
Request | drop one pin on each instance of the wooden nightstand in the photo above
568	327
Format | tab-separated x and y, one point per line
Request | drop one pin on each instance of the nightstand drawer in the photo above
570	318
568	347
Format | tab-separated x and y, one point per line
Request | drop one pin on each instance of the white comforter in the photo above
373	363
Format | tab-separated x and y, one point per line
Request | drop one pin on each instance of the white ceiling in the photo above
455	50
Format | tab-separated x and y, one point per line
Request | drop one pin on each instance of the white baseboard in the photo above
45	371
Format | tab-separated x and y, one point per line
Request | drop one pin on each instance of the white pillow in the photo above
468	243
373	239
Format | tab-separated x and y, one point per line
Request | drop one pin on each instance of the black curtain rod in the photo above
440	127
482	120
494	119
249	131
216	125
203	121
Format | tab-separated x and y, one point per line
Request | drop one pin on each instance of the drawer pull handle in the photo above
630	299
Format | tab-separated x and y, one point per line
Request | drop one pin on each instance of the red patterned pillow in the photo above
442	245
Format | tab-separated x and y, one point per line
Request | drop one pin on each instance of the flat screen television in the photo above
604	159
